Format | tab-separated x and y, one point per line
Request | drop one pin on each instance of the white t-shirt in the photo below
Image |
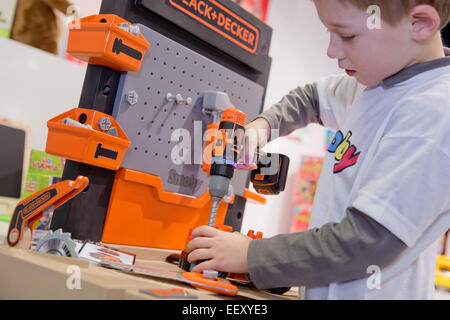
391	160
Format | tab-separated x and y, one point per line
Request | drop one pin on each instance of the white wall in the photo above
298	49
36	86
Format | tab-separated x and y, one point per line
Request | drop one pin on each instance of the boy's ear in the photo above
425	21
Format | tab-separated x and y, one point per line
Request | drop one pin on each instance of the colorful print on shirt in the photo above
344	152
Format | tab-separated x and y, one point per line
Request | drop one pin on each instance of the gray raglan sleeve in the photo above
336	252
325	102
295	110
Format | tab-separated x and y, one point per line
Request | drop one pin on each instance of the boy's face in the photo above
370	55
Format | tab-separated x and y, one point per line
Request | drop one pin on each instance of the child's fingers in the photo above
247	167
205	265
197	243
199	254
203	231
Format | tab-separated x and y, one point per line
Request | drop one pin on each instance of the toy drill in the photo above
227	152
270	176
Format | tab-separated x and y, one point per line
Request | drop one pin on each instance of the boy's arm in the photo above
296	110
324	102
336	252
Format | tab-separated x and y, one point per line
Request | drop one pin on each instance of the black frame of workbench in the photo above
84	216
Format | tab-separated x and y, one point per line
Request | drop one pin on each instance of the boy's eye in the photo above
347	38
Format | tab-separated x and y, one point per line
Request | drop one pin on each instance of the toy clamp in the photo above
108	40
31	209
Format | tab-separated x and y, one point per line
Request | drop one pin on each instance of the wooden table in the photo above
25	274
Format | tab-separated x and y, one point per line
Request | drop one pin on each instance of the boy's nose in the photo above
335	49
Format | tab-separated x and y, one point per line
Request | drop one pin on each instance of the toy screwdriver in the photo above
271	174
31	209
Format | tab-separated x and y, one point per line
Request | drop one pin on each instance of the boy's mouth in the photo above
350	72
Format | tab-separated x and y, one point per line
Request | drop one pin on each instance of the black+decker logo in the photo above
221	20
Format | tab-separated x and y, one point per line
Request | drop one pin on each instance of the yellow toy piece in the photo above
441	279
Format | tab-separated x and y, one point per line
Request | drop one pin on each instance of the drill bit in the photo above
213	212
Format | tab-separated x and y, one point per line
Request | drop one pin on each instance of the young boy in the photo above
383	198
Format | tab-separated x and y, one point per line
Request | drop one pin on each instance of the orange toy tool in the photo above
194	279
31	209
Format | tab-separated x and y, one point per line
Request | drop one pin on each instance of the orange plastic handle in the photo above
30	210
219	285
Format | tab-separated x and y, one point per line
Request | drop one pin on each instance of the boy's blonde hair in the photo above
392	11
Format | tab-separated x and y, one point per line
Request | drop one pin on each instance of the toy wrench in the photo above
31	209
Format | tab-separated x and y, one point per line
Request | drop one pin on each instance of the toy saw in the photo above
31	209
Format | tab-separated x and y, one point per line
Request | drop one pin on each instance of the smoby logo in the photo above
344	152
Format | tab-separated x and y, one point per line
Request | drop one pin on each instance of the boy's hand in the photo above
257	134
225	251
